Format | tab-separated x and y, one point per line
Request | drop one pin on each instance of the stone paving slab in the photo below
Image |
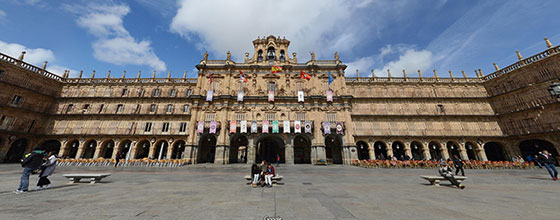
308	192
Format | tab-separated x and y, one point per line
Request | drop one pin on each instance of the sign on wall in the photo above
275	128
209	95
297	127
339	128
271	96
232	126
213	127
265	126
329	95
240	96
307	127
327	127
243	126
254	127
300	96
200	127
286	126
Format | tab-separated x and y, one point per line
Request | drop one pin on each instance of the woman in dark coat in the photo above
46	170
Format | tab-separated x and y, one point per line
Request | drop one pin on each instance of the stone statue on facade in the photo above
205	59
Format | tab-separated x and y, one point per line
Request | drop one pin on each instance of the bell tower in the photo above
271	50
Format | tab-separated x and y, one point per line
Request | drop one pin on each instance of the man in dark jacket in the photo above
29	163
549	162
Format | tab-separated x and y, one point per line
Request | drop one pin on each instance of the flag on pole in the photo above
275	127
209	95
212	127
331	79
233	126
307	127
242	77
304	75
200	127
329	95
243	126
339	128
300	96
297	127
265	126
271	96
327	127
286	126
276	69
240	96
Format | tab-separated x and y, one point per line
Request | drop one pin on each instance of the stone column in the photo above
289	151
219	155
63	149
371	151
169	150
81	149
116	149
131	151
98	149
407	150
351	154
444	152
426	151
318	152
152	151
389	148
463	151
251	151
481	153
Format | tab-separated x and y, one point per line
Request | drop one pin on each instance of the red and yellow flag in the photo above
276	69
304	75
242	77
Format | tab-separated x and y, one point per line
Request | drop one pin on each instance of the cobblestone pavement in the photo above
308	192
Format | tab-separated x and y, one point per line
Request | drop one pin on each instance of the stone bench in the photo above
94	177
274	178
434	180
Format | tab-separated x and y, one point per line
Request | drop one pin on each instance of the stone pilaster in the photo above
318	152
426	151
219	155
371	151
289	151
251	151
407	150
98	149
389	149
463	151
81	149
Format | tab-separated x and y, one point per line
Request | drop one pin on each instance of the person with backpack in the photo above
46	170
30	162
548	161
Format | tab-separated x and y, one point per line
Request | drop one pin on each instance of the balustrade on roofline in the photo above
409	79
524	62
27	66
131	80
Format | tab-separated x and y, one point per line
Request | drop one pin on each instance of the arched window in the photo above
260	55
282	56
271	54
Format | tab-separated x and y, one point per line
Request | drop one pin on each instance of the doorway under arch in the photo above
107	149
72	149
124	149
178	149
363	150
16	151
379	148
142	149
238	149
533	146
416	150
161	149
89	149
302	150
494	151
470	148
398	150
333	148
206	149
435	150
453	150
269	147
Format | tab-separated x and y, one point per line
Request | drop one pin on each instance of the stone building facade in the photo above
242	112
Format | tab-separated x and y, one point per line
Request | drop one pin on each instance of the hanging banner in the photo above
232	126
339	128
271	96
307	127
209	95
275	128
240	96
297	127
300	96
254	127
265	126
213	127
329	95
326	127
286	126
200	127
243	126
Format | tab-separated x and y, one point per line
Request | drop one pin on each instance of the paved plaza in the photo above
308	192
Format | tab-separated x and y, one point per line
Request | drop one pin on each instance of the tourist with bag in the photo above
29	163
46	170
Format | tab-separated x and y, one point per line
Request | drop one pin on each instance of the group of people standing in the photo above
38	159
262	174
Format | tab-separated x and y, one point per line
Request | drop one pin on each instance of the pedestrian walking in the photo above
548	161
446	172
30	162
277	159
46	170
458	162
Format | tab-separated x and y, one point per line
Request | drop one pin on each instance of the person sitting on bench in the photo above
255	171
447	172
268	176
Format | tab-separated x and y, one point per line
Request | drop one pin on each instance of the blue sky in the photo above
172	35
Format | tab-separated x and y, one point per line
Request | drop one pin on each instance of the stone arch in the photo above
238	148
51	145
107	149
435	150
380	149
89	149
453	149
178	149
161	147
532	147
363	150
206	148
333	148
417	149
124	147
142	149
269	147
71	149
16	151
470	147
398	150
494	151
302	149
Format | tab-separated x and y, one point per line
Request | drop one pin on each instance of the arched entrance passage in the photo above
363	150
302	150
534	146
470	147
89	149
16	151
379	148
333	148
161	149
269	147
416	150
453	150
72	149
107	148
51	146
398	150
206	149
238	149
494	151
142	149
124	148
435	150
178	149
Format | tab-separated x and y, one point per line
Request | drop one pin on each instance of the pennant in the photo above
265	126
271	96
297	127
286	126
307	127
243	126
240	96
331	79
209	95
254	127
276	69
300	96
200	127
329	95
275	128
327	127
339	128
212	127
304	75
242	77
233	126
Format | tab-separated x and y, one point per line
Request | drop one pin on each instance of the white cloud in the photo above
3	15
411	60
363	64
317	25
35	57
114	43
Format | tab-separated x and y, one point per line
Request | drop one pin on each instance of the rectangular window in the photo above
169	108
173	93
69	108
440	108
299	86
240	117
270	116
300	116
331	117
165	127
189	92
86	107
182	127
153	108
16	100
210	116
31	126
186	108
271	86
140	92
137	110
119	108
148	127
156	93
101	108
124	92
